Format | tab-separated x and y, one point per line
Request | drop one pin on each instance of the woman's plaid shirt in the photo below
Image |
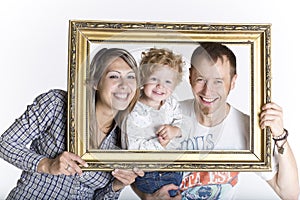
43	128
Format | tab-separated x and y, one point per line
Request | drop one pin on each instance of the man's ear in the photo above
232	84
190	72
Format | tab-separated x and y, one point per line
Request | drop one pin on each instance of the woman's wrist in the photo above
43	166
117	185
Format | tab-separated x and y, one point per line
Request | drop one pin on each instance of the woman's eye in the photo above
113	76
131	76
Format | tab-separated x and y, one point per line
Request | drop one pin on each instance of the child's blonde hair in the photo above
155	58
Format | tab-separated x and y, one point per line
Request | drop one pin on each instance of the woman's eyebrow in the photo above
119	72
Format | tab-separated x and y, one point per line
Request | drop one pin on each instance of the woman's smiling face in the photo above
117	87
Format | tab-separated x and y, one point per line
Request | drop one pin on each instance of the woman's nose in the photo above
123	83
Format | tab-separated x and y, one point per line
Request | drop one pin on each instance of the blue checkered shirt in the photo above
43	126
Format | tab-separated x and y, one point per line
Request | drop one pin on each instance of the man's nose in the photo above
207	87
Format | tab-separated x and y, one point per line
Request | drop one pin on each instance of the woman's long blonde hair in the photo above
98	67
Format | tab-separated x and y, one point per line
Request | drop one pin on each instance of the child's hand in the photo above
166	133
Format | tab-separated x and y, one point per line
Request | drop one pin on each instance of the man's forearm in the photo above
287	182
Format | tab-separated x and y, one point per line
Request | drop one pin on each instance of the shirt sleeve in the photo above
176	113
137	139
26	130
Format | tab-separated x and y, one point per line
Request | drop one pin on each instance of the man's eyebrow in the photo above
199	74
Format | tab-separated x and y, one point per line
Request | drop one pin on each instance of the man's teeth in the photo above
208	99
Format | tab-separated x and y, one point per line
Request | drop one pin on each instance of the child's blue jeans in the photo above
153	181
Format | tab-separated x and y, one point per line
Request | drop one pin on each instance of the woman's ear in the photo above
95	87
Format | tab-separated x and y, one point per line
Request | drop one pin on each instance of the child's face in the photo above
160	84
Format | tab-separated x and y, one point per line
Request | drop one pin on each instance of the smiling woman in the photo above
111	86
50	170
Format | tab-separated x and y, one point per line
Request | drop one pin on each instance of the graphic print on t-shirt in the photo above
207	185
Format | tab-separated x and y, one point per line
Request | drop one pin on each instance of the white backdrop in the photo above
34	46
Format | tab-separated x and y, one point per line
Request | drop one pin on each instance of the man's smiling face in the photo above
211	84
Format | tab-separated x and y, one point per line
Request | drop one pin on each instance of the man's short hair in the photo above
214	51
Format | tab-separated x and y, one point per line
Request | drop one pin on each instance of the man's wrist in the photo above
281	140
283	136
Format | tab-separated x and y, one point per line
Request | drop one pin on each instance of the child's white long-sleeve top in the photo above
144	121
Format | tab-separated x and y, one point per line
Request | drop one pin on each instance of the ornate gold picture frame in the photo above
251	44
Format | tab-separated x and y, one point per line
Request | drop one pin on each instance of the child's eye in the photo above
168	82
153	78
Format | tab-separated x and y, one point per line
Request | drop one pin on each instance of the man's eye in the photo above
200	80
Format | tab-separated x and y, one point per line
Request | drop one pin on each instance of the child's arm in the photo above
136	142
138	138
172	130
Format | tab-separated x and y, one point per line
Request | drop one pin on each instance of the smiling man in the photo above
219	126
212	77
